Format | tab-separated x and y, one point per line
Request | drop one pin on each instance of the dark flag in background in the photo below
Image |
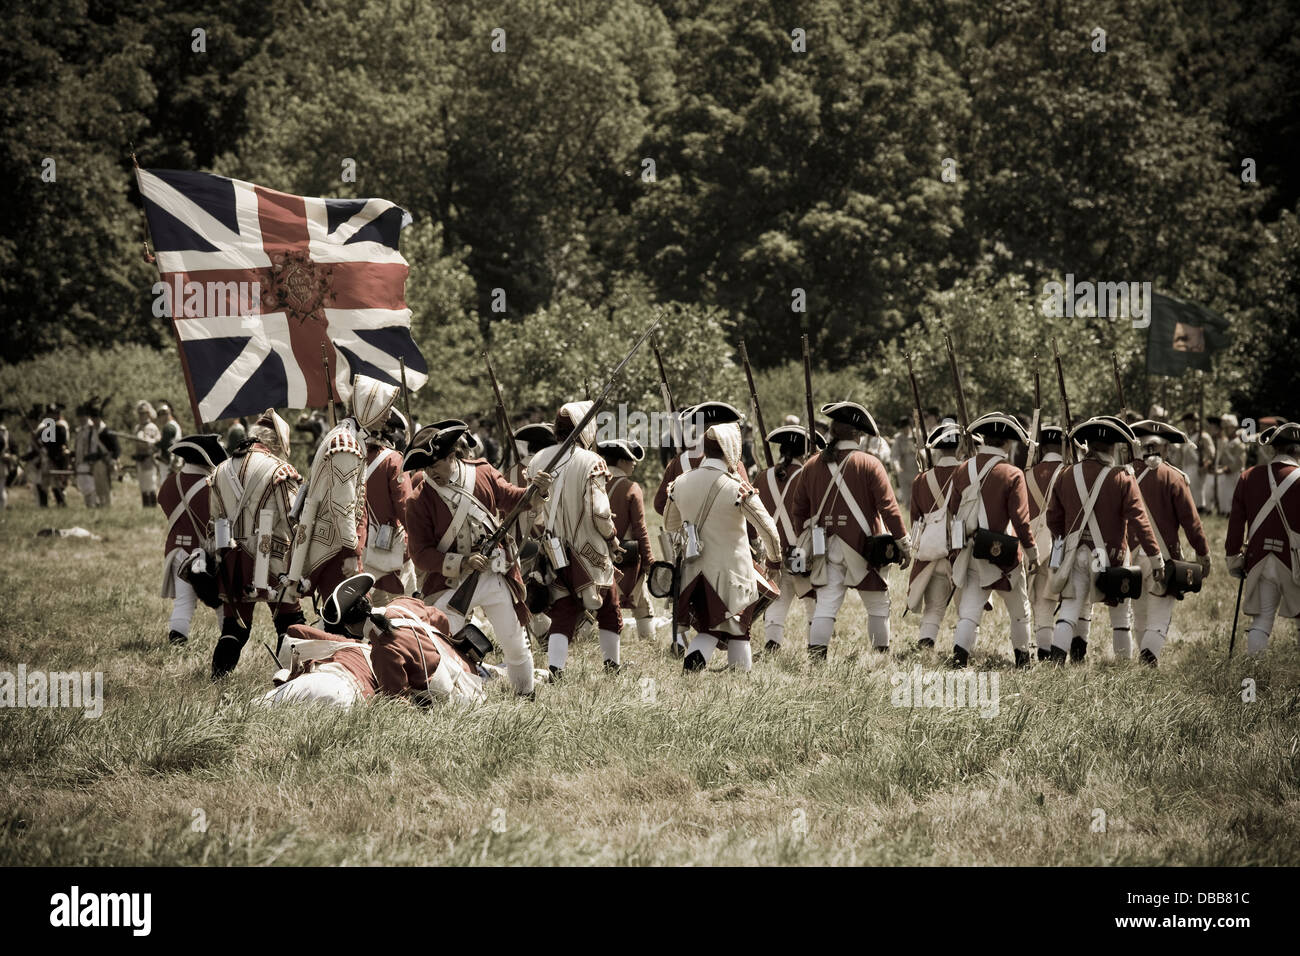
1182	335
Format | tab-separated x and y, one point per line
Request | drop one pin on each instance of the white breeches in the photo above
1261	625
492	595
937	590
318	687
1151	616
1074	614
970	608
829	598
183	605
775	615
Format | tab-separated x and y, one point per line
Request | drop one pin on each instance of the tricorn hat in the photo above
345	597
1051	435
1150	428
536	436
999	425
947	435
621	449
206	450
432	443
793	439
710	413
851	414
371	400
1285	433
1103	428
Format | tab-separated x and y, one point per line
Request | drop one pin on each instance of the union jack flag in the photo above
257	281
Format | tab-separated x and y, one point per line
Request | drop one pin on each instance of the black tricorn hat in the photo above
620	449
345	597
207	450
1051	435
432	443
1104	428
794	438
944	435
999	425
536	436
1149	428
851	414
711	413
1285	433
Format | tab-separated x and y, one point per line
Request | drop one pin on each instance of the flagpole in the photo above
185	365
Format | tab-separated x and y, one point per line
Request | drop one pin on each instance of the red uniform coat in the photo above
1251	495
1118	508
674	468
627	506
189	529
1169	504
1006	503
923	502
786	478
404	656
868	482
352	659
428	517
1040	476
387	491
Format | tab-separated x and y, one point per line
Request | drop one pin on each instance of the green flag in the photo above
1182	335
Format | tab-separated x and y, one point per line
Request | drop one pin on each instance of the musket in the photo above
1067	449
464	594
329	384
924	460
962	414
807	394
503	416
406	398
753	399
1119	385
666	392
1036	426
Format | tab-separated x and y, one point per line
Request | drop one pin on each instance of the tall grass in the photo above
792	763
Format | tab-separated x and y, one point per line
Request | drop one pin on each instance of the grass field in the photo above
1104	763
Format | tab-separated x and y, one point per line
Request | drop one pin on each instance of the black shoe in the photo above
1146	657
1044	653
556	673
176	637
1058	655
960	657
1078	649
926	644
694	661
771	647
818	652
611	667
676	650
226	654
1022	659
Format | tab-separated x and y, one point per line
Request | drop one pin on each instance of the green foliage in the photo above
124	373
560	352
774	169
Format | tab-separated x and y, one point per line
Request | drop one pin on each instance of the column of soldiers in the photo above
400	520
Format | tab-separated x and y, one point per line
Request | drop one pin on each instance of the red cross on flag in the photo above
257	281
